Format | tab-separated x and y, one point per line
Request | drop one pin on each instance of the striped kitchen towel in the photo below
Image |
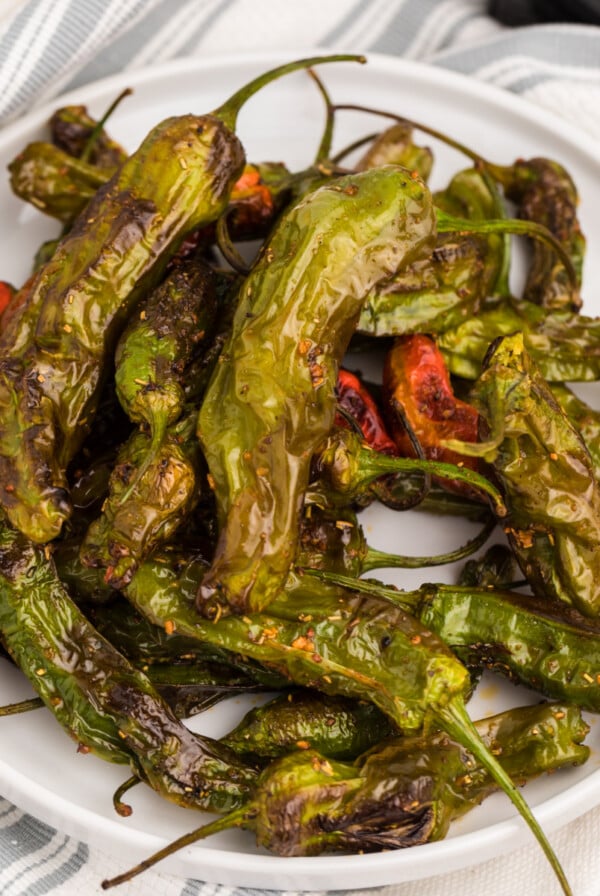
49	46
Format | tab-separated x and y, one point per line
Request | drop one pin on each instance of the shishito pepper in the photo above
271	400
101	700
134	520
158	346
546	475
565	345
453	283
335	726
55	349
341	644
545	645
398	795
75	131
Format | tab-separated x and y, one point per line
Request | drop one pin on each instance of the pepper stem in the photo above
233	819
228	112
13	709
532	229
455	720
372	465
375	559
121	808
159	428
99	126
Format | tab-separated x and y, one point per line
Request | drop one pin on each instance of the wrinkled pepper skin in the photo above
546	475
440	291
354	398
546	646
585	419
565	345
272	400
54	182
54	352
415	380
337	728
544	191
405	792
98	697
158	345
368	650
395	146
71	128
344	470
133	523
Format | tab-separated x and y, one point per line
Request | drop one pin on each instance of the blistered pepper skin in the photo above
547	476
107	705
54	350
272	400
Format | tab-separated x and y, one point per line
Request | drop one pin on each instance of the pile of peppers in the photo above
187	444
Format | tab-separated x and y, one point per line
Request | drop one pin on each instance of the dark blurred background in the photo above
532	12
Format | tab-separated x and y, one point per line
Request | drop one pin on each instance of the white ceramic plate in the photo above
39	768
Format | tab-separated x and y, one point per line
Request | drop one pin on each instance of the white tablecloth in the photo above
49	46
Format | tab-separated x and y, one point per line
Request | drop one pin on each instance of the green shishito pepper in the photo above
57	345
342	644
439	292
102	701
405	792
546	475
271	400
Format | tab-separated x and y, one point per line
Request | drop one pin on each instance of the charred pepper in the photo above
54	352
271	400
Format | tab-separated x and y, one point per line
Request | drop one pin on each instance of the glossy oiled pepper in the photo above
546	475
54	352
134	520
440	291
417	391
108	706
73	129
155	351
355	401
272	400
344	645
344	468
401	794
55	182
584	418
544	645
336	727
544	191
395	146
564	345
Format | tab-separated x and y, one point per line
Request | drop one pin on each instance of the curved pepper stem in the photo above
533	230
228	112
375	559
454	719
234	819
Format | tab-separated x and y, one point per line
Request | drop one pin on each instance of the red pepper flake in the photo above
303	744
83	748
416	639
211	481
169	626
317	658
270	633
304	346
302	643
